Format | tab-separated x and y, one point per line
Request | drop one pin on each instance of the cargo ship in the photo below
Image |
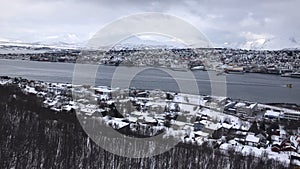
295	75
234	70
196	65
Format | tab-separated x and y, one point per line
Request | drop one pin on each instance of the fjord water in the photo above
262	88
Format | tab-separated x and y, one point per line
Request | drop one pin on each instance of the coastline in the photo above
252	86
151	66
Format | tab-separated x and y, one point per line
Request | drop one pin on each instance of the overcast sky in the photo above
270	24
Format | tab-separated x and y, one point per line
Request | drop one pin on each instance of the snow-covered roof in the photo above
118	122
159	116
271	113
233	142
240	104
225	125
69	107
179	123
201	133
132	119
251	106
42	93
252	138
212	126
104	89
149	119
55	109
137	113
30	90
275	138
179	99
87	111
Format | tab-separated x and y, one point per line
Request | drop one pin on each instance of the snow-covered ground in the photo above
154	111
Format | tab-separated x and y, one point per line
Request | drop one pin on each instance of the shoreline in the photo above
293	106
252	86
124	65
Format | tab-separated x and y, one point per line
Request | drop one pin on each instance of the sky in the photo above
255	24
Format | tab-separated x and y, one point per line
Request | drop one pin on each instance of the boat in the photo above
289	85
196	65
286	75
295	75
234	70
200	67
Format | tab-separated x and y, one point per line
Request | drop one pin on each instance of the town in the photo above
284	62
224	123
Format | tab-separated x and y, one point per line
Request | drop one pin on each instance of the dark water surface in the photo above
253	87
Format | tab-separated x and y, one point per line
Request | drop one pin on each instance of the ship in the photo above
295	75
289	85
200	67
234	70
286	75
196	65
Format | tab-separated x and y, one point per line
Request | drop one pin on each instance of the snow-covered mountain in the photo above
263	43
149	42
54	41
154	42
54	45
64	40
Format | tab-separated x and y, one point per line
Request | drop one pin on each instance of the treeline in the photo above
36	137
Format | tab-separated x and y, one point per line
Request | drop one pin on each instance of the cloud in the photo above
223	21
255	41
